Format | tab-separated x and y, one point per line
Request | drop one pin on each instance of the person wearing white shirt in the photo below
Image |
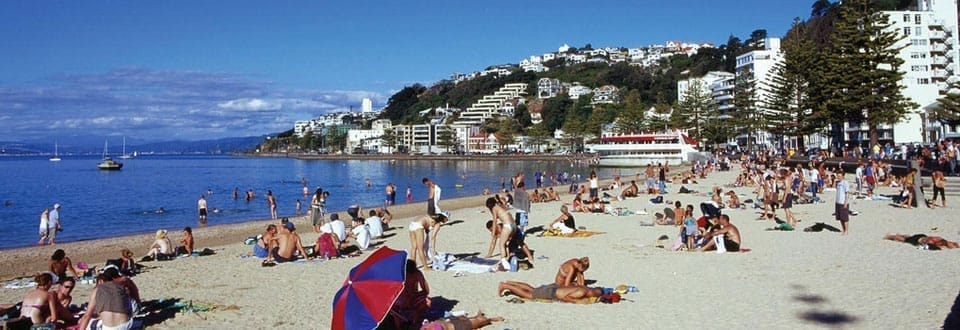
362	235
374	224
336	227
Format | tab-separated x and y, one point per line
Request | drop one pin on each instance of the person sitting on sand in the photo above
725	239
414	301
462	322
127	264
534	196
64	297
630	191
161	249
733	201
552	195
288	242
550	291
39	304
110	303
923	241
564	223
571	272
60	263
187	241
266	242
385	216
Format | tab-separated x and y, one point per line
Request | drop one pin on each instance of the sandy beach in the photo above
788	280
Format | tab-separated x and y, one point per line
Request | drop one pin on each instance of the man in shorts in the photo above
842	209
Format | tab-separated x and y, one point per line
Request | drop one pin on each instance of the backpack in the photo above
325	247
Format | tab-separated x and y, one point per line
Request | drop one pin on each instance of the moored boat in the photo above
640	149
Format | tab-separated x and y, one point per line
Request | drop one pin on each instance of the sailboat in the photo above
124	154
108	163
56	155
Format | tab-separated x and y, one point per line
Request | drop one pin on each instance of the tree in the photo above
538	134
389	139
794	105
864	75
747	119
948	106
631	118
446	137
573	133
506	132
695	109
307	142
335	139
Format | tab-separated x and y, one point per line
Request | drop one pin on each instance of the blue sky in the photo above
162	70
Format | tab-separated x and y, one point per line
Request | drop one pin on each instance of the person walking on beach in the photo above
55	225
842	209
44	226
316	210
409	195
273	204
433	198
202	209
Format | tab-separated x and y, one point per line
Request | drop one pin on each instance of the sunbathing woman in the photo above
548	292
462	322
39	303
921	240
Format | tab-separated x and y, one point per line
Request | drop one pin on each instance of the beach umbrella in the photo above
370	290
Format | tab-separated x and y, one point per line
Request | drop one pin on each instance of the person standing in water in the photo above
273	204
202	209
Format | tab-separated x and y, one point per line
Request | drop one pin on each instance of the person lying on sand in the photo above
923	241
571	272
462	322
548	292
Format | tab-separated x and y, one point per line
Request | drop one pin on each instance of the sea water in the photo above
98	204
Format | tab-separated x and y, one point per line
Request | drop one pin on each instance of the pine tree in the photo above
696	108
747	118
948	107
862	81
631	118
794	105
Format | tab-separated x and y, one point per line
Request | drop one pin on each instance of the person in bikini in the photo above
418	231
550	291
39	304
727	237
921	240
500	215
571	272
462	322
266	242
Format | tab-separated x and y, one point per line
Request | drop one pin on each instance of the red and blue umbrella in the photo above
370	290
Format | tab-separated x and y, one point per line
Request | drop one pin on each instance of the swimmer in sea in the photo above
159	211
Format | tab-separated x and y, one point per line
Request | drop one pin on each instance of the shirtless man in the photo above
548	292
273	204
501	215
727	237
287	242
571	272
202	209
679	214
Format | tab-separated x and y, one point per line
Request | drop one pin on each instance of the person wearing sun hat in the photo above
161	249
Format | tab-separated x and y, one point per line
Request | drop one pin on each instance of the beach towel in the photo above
583	301
579	233
472	264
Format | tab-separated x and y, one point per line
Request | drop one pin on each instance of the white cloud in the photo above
250	104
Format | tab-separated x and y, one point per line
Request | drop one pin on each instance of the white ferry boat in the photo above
618	149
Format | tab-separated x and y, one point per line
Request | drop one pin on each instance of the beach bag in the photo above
325	247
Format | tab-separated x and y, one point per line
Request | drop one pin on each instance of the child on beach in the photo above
690	229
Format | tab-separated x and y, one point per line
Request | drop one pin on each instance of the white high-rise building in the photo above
929	50
760	64
366	106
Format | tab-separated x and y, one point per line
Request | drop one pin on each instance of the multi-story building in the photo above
929	49
494	105
548	87
760	64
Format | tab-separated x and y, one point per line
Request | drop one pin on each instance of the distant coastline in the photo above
507	157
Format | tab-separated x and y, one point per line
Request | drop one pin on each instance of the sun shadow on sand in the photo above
159	310
953	318
451	223
816	315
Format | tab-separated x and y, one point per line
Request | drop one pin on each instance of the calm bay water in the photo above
97	204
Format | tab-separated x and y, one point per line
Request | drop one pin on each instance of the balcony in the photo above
934	21
938	48
937	35
938	60
939	74
942	86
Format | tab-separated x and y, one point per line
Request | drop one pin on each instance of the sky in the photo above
193	70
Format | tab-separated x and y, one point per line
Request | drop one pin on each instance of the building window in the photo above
918	68
918	31
906	18
915	54
923	81
918	42
906	31
916	19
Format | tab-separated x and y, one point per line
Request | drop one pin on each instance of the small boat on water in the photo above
108	164
622	149
124	154
56	155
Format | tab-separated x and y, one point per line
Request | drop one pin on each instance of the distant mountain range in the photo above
94	145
